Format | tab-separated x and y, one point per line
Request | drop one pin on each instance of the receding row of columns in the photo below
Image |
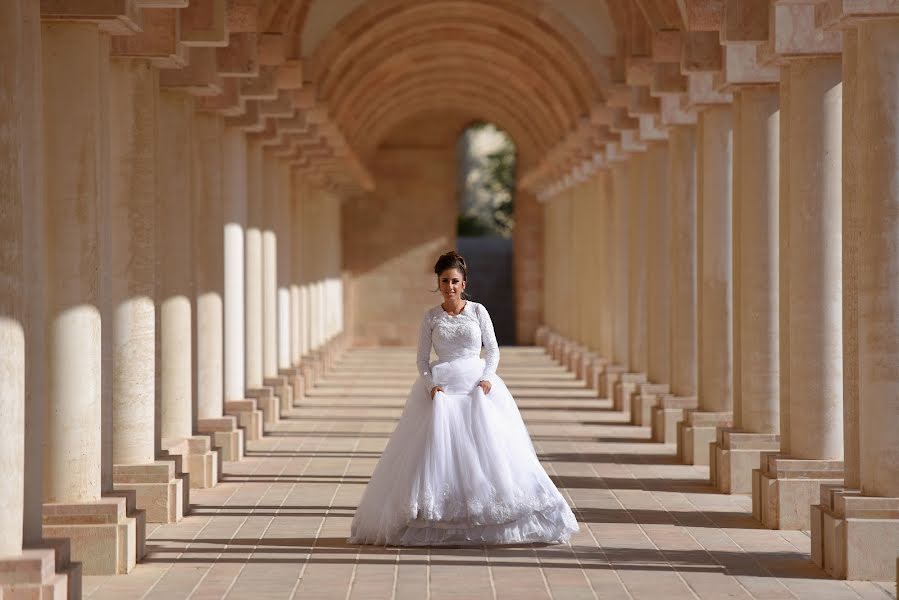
762	309
168	285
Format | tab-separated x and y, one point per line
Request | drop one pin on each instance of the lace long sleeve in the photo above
423	358
488	339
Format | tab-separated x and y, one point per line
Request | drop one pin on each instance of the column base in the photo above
541	336
785	488
643	400
198	460
570	351
267	402
158	492
102	537
855	537
697	432
225	435
34	574
585	366
667	414
605	382
249	417
735	454
624	389
311	370
294	377
283	391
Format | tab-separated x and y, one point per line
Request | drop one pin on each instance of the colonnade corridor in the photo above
276	525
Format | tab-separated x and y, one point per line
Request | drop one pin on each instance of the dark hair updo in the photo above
452	260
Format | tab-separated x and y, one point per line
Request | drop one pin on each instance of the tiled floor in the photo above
276	525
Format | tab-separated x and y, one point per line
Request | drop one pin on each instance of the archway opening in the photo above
487	168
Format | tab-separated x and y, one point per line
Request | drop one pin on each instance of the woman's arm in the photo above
488	339
423	358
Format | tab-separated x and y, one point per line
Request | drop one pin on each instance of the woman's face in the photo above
451	284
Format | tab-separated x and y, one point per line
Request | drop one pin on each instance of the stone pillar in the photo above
297	325
31	570
637	202
288	383
234	197
682	263
175	281
75	89
857	536
790	483
134	92
271	216
209	273
615	252
756	114
658	287
272	219
715	287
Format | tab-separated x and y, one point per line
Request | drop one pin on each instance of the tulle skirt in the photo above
460	470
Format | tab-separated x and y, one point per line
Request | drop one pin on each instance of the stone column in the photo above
790	484
613	324
271	216
234	197
30	570
297	323
715	289
254	267
272	219
258	396
175	291
637	202
287	381
209	266
620	279
134	92
756	114
858	534
682	262
658	287
75	89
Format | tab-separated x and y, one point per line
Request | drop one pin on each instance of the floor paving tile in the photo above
276	526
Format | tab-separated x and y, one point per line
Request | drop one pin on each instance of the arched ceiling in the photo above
376	63
327	80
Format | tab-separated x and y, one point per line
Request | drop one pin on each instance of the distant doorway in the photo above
487	160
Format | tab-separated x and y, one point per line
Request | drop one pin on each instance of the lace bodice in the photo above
457	336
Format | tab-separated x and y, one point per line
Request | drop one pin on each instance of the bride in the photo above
459	468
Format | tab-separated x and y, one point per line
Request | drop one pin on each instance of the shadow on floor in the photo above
338	551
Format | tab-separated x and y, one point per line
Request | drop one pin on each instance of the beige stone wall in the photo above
392	236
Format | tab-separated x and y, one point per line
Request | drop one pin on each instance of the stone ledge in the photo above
248	415
607	378
624	389
784	489
733	457
33	574
158	490
102	537
697	432
225	435
666	416
267	403
199	461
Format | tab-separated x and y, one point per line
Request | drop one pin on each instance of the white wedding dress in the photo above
460	469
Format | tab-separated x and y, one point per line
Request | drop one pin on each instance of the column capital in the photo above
240	58
676	112
793	33
703	91
203	23
831	14
199	78
742	67
117	17
158	42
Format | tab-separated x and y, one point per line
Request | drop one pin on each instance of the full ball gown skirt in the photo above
460	469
